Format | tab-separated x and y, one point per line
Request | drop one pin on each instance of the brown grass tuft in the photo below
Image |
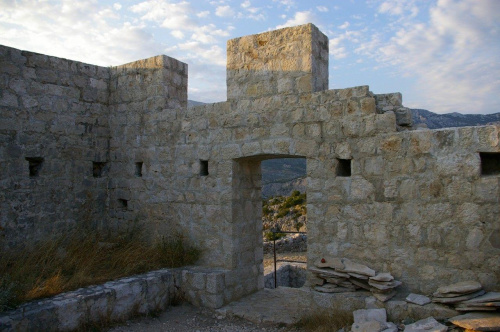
326	321
82	259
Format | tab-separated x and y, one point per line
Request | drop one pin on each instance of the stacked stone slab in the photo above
338	275
467	296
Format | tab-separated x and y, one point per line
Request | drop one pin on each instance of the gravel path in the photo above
187	318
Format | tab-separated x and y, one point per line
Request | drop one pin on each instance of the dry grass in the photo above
81	259
326	321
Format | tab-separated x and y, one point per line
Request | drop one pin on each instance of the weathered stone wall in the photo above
144	127
413	203
54	116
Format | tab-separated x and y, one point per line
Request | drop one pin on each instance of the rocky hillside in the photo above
436	121
284	213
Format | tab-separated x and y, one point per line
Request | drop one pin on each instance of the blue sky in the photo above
443	55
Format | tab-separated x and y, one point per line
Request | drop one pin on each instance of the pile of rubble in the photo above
338	275
467	296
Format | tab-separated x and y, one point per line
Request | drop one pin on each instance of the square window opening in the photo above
344	167
123	203
34	165
138	169
98	169
203	167
490	163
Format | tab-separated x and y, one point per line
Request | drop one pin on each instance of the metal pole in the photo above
274	249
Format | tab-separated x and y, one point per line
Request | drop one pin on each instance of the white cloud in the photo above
79	30
322	9
224	11
177	34
246	4
204	13
169	15
344	26
298	19
455	56
117	6
398	7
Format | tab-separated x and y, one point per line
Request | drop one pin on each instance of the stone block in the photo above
215	282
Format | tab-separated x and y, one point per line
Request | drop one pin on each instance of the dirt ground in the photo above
269	260
187	318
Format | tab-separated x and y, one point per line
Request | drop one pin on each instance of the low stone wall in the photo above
119	300
287	276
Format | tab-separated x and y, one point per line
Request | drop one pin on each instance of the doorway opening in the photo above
284	221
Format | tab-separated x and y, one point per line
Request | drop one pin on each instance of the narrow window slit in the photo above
98	169
203	167
138	169
35	165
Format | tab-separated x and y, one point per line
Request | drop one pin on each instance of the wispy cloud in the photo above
224	11
450	55
298	19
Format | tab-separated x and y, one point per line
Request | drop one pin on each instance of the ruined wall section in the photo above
416	205
146	97
53	128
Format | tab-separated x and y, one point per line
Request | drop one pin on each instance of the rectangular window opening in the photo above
138	169
98	169
35	165
344	167
490	163
123	203
203	167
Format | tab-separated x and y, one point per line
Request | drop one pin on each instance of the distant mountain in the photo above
436	121
192	103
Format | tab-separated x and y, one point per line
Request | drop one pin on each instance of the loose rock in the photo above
418	299
478	321
428	324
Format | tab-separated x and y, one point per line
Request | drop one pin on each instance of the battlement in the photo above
285	61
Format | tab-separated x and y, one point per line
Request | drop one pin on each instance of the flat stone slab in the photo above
384	285
478	321
384	297
371	326
426	325
464	287
488	297
350	266
331	262
383	277
458	298
339	289
418	299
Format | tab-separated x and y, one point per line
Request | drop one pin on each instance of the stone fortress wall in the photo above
117	146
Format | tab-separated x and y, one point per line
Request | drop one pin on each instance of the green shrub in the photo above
270	236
